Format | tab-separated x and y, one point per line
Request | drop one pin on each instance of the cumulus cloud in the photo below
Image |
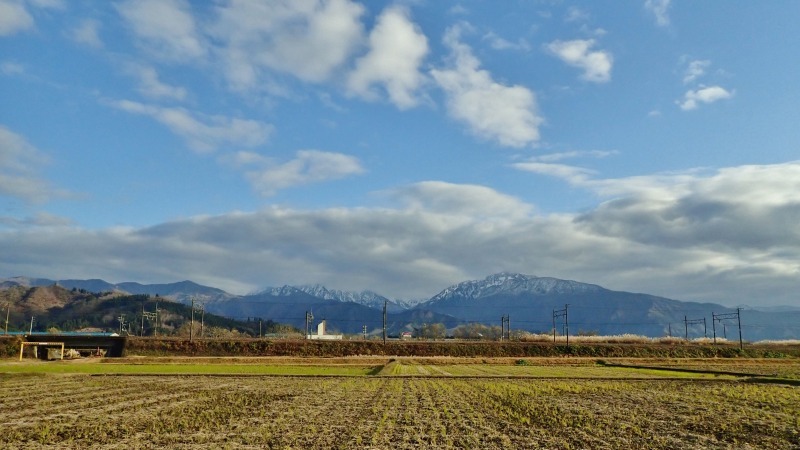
596	65
164	27
397	48
308	167
20	165
693	98
202	133
505	114
724	235
660	11
308	39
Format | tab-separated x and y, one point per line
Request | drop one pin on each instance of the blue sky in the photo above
404	146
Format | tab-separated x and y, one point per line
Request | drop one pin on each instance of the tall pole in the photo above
686	326
739	319
259	329
142	332
554	326
202	318
8	311
566	322
191	328
705	328
714	326
32	319
384	322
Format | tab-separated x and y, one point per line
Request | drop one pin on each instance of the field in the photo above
405	403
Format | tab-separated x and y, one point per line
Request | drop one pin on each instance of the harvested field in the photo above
446	403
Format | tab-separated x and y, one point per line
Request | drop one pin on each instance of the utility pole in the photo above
141	333
384	322
720	317
364	330
202	318
505	328
687	322
260	335
121	319
561	313
32	319
309	317
191	328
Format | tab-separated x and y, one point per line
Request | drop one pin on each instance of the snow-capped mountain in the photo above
366	298
513	284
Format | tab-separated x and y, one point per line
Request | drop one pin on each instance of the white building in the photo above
321	334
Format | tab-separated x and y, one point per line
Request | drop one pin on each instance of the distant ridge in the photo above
529	301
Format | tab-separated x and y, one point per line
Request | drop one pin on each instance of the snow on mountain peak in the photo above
513	283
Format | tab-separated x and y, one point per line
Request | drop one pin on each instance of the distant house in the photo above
321	334
406	335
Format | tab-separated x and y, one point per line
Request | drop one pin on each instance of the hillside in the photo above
70	310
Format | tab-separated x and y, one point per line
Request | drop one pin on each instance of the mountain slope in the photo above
530	301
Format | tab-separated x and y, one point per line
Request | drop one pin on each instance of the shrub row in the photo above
263	347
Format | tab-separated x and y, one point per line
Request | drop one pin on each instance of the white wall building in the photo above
321	334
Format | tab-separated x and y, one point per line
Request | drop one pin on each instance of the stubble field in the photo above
407	405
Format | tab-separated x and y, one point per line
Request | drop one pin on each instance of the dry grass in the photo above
390	413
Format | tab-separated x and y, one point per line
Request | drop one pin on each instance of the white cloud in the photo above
573	174
151	86
397	49
14	17
20	164
551	157
660	10
596	65
498	43
165	27
473	202
727	235
308	167
693	98
202	133
308	39
506	114
695	70
87	33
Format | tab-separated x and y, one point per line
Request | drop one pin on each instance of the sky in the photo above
404	146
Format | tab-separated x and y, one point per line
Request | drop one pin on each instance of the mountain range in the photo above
529	301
